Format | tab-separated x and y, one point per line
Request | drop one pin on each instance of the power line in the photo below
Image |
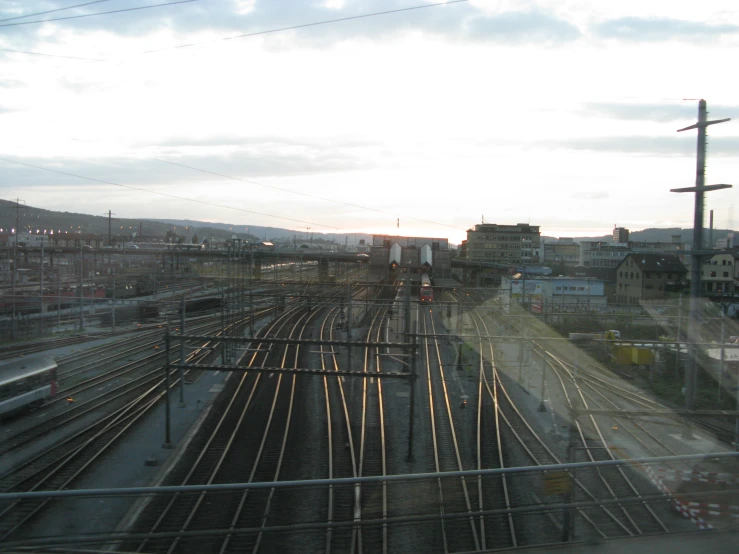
98	13
204	202
304	25
53	11
49	55
304	194
269	31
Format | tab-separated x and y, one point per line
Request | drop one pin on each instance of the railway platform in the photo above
138	460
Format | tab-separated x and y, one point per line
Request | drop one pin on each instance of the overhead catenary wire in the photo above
204	202
49	55
97	13
304	25
306	194
277	30
52	11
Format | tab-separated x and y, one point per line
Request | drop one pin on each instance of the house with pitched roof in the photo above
644	277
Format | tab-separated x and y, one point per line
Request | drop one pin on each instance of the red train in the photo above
426	293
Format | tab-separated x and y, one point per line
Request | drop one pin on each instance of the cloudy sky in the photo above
558	113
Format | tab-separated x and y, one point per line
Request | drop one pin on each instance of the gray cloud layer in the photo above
649	145
456	21
661	29
686	112
247	163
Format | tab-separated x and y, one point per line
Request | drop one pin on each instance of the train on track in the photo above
202	304
28	301
425	292
26	383
130	289
141	312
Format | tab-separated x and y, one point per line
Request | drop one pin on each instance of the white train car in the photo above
427	259
395	253
27	383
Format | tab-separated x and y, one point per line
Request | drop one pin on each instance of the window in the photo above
726	274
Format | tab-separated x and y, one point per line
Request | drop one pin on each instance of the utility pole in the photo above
183	358
110	235
59	298
251	294
407	310
700	188
678	345
348	321
81	292
110	223
15	265
413	369
113	311
41	310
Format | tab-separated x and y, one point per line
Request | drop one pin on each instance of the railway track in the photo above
493	492
514	429
127	381
232	450
60	466
454	495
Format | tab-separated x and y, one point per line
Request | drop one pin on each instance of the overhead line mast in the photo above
700	188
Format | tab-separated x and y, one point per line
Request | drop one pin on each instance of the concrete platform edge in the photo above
140	505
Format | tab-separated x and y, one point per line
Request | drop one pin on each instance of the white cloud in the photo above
518	110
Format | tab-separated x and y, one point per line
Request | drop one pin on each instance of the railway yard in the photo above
299	414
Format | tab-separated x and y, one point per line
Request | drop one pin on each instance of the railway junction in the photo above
334	411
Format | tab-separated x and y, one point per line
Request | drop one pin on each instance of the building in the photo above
728	242
411	254
642	277
609	254
602	254
719	273
554	294
518	244
674	248
620	235
68	240
565	251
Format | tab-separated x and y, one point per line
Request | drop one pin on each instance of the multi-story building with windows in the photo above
602	254
642	277
620	235
719	274
565	251
509	244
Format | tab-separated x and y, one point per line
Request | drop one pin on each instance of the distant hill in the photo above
33	219
39	219
659	235
269	233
